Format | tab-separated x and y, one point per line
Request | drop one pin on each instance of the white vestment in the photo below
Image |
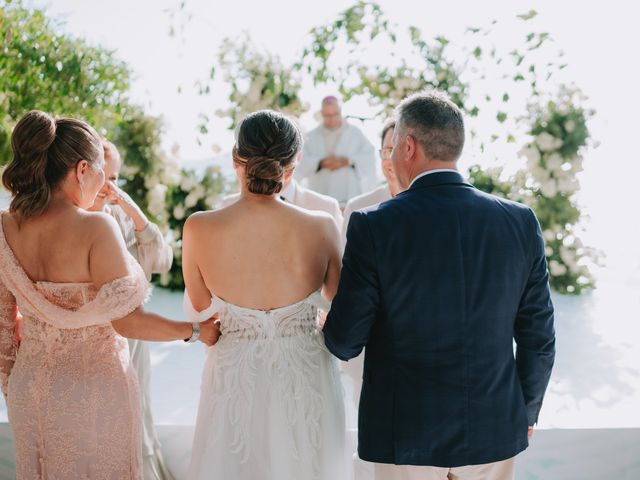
344	183
301	197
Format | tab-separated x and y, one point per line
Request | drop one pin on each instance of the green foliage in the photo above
43	68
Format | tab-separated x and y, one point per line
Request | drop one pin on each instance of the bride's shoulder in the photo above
319	219
202	220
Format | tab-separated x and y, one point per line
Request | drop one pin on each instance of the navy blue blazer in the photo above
437	283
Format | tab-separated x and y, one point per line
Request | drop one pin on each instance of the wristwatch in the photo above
195	333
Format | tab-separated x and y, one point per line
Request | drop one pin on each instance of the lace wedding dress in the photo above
72	394
271	404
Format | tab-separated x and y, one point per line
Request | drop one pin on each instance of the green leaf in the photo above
527	16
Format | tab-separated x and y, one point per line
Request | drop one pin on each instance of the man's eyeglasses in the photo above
385	152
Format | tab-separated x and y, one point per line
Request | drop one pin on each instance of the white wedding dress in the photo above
271	403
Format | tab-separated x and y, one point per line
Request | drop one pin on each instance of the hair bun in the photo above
44	151
267	144
264	175
34	133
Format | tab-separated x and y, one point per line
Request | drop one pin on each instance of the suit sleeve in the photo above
534	332
355	307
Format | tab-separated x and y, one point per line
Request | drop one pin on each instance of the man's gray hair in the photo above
435	122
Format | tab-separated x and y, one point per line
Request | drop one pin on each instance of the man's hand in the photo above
210	331
530	433
334	163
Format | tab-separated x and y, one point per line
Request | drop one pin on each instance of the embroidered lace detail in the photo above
72	394
114	300
264	356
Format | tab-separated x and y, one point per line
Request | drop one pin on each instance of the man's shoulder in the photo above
368	199
504	203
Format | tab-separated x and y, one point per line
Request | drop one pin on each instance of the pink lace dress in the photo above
72	394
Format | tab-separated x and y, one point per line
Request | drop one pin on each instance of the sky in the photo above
599	40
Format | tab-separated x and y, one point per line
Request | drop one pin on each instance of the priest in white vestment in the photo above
338	160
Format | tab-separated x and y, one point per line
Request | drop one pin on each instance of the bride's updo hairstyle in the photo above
267	145
44	150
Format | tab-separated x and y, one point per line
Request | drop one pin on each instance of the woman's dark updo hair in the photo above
267	145
44	150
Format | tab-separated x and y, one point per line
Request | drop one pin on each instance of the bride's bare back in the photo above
260	253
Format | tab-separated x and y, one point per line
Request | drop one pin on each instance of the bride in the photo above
271	404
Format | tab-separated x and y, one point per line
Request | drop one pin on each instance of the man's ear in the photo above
411	146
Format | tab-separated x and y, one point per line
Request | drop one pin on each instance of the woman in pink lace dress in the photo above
72	394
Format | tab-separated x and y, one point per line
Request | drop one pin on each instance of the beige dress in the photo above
154	255
72	394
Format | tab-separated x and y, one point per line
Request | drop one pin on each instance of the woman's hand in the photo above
119	197
210	331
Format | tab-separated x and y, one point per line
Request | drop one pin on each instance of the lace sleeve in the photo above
8	344
118	298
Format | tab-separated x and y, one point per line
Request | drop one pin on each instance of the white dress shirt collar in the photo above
429	172
289	192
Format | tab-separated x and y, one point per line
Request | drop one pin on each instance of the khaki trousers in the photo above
503	470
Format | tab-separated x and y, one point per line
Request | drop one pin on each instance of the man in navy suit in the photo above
437	283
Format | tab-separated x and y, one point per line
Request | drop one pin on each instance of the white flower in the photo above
187	183
548	251
556	268
569	258
150	182
541	175
415	83
191	199
548	142
156	199
569	126
568	185
178	212
549	189
441	76
554	162
211	201
403	83
255	93
532	155
576	165
384	89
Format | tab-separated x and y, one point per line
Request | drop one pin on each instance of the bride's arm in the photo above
108	262
196	289
334	262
